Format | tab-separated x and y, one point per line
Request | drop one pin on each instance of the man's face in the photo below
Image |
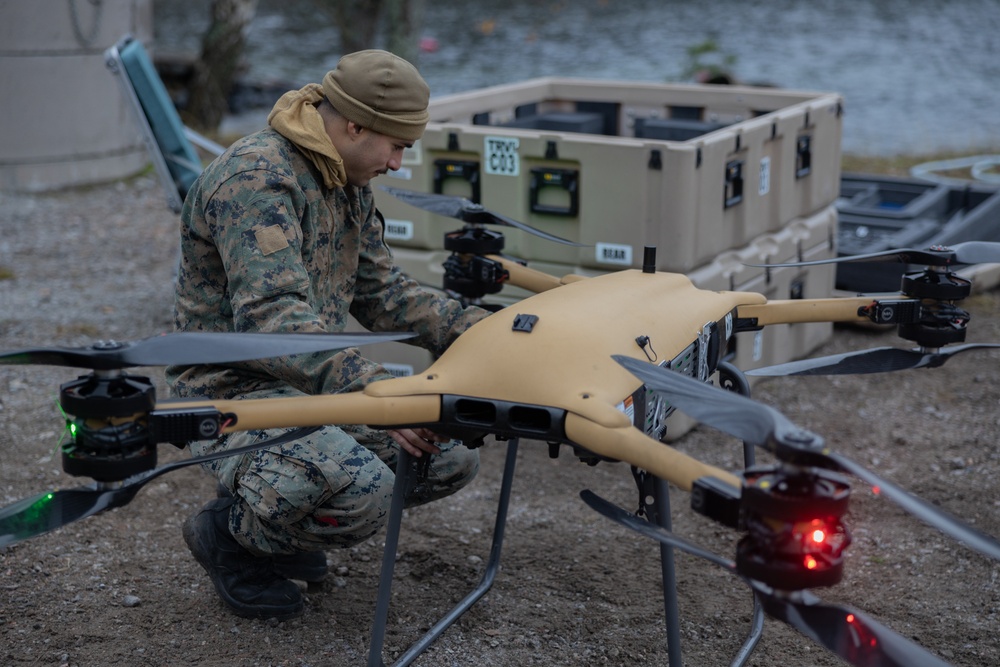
372	154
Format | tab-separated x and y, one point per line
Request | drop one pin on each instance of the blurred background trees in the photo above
214	72
360	24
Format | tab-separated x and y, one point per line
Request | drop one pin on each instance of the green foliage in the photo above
705	61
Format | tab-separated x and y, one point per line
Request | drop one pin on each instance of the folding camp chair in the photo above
171	144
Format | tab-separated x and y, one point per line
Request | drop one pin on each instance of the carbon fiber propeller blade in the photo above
848	633
763	426
970	252
466	210
450	206
876	360
190	348
52	510
724	410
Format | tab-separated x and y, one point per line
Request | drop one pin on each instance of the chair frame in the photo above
170	143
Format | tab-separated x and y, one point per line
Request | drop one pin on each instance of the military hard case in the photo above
693	170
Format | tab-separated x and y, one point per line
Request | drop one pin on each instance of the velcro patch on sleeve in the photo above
271	239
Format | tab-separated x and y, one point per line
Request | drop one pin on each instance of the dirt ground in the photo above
574	589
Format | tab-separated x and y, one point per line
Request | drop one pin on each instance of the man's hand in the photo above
417	441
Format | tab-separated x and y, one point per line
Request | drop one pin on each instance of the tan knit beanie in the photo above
380	92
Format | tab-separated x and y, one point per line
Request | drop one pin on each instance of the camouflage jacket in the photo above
266	247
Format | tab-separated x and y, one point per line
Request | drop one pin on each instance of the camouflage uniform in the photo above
266	247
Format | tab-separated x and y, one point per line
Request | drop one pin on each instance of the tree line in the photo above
358	22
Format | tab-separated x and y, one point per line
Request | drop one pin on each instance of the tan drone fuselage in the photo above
563	360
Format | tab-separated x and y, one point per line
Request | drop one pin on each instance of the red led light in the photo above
818	536
850	618
811	563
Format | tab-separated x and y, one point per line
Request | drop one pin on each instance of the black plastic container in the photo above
882	213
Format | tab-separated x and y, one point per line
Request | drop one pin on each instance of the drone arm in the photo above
531	279
633	446
352	408
791	311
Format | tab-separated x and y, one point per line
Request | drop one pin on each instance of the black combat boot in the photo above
248	584
307	566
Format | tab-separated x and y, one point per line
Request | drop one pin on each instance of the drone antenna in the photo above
649	259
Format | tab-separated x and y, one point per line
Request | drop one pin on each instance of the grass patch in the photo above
899	165
6	273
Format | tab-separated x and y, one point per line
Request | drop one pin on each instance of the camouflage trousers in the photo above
331	488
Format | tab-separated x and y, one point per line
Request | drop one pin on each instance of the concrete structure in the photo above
65	122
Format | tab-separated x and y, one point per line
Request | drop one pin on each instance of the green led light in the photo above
71	426
31	516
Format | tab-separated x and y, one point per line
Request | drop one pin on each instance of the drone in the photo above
624	369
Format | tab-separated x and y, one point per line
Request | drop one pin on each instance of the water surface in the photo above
918	76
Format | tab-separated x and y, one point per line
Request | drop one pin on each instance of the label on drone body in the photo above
398	370
614	253
398	230
628	407
502	158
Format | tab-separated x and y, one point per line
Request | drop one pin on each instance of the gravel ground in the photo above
574	588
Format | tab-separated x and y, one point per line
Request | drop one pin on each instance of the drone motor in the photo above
467	271
106	415
941	322
795	538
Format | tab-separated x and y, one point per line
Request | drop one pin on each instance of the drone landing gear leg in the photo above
404	469
655	505
670	608
732	379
